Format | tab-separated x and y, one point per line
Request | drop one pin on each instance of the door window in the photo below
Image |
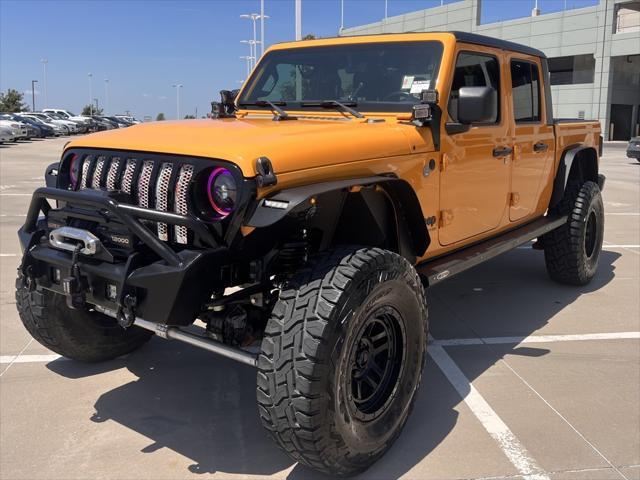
474	70
525	85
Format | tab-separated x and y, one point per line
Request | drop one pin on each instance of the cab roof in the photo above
465	37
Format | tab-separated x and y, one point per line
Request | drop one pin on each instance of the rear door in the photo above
533	137
474	179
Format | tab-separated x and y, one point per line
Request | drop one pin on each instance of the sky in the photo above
143	47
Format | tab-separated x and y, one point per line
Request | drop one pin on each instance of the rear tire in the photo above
76	334
354	319
572	251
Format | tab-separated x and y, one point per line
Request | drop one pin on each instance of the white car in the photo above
74	127
6	134
67	115
19	130
57	129
64	124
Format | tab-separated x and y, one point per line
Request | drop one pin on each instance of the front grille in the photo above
155	184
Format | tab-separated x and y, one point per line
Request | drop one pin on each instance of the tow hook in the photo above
127	314
72	285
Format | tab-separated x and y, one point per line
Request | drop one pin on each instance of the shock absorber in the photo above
293	253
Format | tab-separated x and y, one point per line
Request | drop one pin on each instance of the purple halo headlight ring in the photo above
74	171
222	191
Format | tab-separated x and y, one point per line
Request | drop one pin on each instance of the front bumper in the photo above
633	152
156	282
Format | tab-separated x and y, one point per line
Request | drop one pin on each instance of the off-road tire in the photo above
572	251
315	334
82	335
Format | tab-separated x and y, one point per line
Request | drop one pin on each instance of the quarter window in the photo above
525	85
474	70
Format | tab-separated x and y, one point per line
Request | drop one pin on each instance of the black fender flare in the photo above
410	222
576	160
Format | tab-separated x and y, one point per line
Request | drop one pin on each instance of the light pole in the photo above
177	86
385	9
106	96
262	17
341	15
97	107
33	94
253	17
252	48
90	75
298	15
44	62
249	60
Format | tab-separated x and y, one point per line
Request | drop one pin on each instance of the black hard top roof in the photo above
468	37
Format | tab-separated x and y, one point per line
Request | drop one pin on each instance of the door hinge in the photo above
446	217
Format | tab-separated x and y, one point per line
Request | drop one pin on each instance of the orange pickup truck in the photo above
301	225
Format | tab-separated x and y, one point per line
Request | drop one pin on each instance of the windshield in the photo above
375	77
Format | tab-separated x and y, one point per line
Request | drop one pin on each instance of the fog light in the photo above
112	292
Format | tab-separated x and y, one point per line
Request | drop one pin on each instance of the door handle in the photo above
540	147
502	151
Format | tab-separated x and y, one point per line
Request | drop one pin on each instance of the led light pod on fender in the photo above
222	191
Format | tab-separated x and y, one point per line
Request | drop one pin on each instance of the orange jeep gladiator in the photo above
301	225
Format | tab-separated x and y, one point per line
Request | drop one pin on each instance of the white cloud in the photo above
162	97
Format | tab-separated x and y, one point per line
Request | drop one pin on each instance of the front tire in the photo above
75	334
342	359
572	251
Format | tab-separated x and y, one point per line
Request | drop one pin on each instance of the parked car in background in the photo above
19	130
44	130
65	125
101	124
128	118
85	122
633	149
119	121
57	129
6	134
74	127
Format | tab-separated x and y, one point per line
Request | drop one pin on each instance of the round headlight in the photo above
74	171
222	191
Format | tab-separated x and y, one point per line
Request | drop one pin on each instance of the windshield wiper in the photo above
279	114
345	107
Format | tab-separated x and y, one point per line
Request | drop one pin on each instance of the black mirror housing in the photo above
477	105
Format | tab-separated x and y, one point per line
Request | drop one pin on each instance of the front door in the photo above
534	139
474	180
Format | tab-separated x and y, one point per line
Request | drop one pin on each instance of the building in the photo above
594	53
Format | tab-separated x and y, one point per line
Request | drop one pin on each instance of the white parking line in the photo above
624	214
493	424
452	342
8	254
16	194
28	358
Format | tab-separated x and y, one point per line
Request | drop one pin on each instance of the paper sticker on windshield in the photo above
420	85
407	81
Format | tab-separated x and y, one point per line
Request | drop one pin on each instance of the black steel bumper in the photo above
168	286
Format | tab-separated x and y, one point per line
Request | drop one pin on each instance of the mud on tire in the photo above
353	319
572	251
76	334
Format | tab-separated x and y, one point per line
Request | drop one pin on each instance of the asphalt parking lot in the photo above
525	378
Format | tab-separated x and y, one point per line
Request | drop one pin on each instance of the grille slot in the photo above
162	197
151	183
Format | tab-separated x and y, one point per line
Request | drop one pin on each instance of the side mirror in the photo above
477	105
226	107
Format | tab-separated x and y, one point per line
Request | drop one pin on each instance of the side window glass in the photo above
525	85
474	70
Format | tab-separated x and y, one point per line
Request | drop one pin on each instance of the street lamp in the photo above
90	75
33	94
254	17
97	107
106	96
44	62
177	86
252	48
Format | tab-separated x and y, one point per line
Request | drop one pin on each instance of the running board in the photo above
449	265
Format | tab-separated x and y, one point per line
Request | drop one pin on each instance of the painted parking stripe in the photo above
8	254
16	194
493	424
624	214
28	358
452	342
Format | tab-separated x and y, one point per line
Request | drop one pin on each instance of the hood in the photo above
291	145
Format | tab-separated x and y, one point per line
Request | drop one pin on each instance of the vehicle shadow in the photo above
204	408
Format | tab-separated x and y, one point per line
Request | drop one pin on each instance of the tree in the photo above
91	110
189	117
160	117
309	36
12	101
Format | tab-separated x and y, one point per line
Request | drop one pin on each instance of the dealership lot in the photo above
525	377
